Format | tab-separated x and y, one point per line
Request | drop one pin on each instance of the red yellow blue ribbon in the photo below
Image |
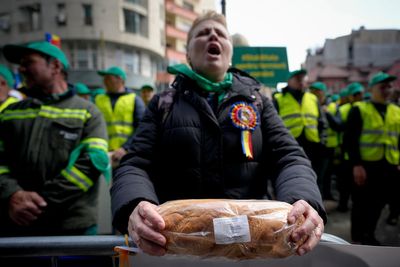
244	117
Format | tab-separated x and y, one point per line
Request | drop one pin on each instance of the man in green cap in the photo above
122	110
83	91
302	115
6	84
354	93
328	152
147	93
319	89
54	149
372	141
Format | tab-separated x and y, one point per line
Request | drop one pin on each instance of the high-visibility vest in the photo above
333	136
344	111
344	114
379	138
120	120
8	101
298	117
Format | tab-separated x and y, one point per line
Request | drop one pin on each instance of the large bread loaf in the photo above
235	229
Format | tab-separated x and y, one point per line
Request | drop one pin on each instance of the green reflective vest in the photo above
344	114
8	101
120	120
333	136
379	138
344	111
298	117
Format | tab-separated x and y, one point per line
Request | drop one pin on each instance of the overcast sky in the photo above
299	25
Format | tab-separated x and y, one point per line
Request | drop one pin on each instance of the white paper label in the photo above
231	230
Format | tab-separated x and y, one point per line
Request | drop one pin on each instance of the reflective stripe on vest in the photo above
8	101
46	112
120	120
379	138
296	117
77	177
4	169
333	136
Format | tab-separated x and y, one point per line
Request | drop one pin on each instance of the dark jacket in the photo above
195	153
38	136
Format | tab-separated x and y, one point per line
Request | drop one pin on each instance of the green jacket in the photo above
37	141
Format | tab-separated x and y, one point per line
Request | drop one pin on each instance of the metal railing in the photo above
55	247
101	245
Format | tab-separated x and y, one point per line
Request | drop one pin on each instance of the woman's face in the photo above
210	50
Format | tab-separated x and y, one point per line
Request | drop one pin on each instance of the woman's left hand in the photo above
311	229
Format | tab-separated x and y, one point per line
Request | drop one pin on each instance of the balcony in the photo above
173	32
172	54
173	8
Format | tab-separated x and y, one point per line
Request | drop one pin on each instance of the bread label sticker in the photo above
231	230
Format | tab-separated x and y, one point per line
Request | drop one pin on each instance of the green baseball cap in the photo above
381	77
82	89
355	88
7	75
116	71
297	72
344	92
319	86
14	53
367	96
147	86
335	97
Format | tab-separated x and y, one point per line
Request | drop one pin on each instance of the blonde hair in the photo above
209	15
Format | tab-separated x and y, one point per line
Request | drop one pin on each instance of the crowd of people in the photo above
212	134
354	137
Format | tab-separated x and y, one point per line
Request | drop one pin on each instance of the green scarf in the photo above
207	85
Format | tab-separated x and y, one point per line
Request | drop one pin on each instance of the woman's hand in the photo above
311	229
144	228
359	174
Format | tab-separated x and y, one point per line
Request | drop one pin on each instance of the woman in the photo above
219	138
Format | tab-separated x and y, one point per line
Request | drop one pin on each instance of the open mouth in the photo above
214	49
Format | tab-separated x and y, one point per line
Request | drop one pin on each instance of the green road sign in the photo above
269	65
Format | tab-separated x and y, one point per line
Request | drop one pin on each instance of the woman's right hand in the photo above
359	174
144	227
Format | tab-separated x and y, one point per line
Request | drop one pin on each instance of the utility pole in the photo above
223	5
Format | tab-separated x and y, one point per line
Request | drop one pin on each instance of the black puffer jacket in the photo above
196	153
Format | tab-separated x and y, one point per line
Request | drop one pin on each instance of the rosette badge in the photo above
244	117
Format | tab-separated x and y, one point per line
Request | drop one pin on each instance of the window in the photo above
188	6
61	17
87	15
135	22
5	22
128	62
146	65
82	57
31	18
142	3
94	57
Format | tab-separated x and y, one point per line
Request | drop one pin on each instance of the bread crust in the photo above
189	228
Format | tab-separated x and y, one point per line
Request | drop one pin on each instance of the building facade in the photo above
179	16
95	34
354	57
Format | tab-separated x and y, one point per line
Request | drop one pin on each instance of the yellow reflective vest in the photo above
120	120
298	117
8	101
333	136
379	138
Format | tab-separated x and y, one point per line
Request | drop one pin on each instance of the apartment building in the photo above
95	34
